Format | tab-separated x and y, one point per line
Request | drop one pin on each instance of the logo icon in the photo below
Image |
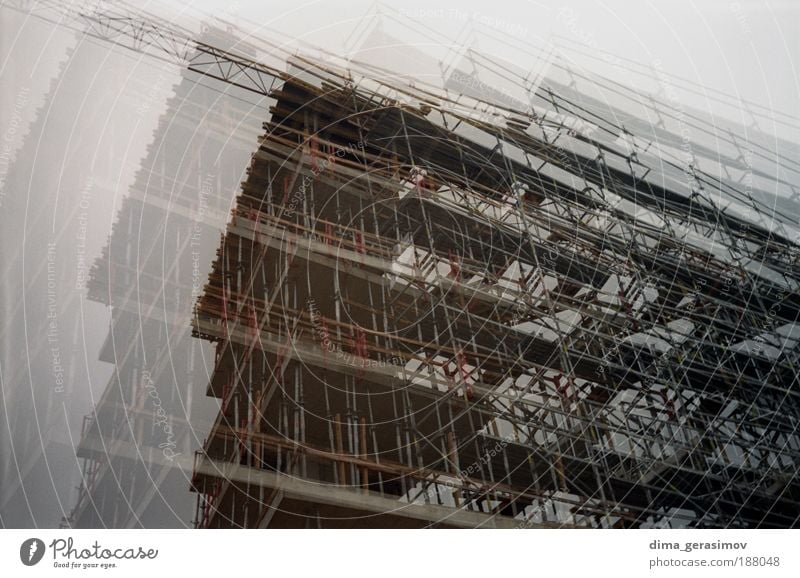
31	551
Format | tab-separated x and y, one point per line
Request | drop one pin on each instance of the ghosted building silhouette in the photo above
152	414
53	188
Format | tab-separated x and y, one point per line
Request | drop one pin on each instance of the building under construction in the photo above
434	309
495	299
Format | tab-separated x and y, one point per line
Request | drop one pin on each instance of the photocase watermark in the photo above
82	265
206	188
435	490
767	324
318	166
8	138
486	457
519	313
569	18
492	21
432	493
502	95
52	320
322	335
522	308
167	447
68	555
614	352
31	551
94	555
739	13
152	93
683	128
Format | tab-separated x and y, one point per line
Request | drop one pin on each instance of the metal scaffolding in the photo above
432	309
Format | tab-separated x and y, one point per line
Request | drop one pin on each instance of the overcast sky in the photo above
744	47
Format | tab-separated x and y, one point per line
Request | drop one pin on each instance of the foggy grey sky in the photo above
743	48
